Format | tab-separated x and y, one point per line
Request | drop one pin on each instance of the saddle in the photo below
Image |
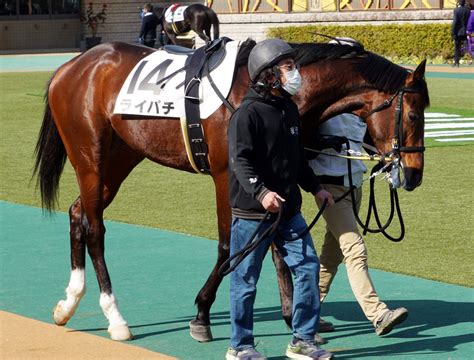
215	50
199	63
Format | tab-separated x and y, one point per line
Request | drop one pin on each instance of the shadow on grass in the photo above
439	318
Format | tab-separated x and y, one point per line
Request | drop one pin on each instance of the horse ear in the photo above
420	70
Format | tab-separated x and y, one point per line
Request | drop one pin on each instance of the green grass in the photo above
438	215
450	96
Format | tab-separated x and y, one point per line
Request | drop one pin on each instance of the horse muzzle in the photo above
412	178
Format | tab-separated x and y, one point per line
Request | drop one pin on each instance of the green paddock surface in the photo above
156	275
438	215
439	219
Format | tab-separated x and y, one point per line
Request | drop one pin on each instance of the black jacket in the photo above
148	29
459	24
265	155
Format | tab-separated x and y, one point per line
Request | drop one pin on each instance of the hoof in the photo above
120	333
61	316
201	333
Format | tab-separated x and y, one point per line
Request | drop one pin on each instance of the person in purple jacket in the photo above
470	22
470	32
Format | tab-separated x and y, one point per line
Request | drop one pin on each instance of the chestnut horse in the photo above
103	147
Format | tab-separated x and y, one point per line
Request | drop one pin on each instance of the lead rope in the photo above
394	203
253	243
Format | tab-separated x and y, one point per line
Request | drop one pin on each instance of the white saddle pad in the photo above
175	14
144	92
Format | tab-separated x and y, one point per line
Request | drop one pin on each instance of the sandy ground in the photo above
23	338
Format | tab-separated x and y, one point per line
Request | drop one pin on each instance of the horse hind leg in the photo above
203	30
76	289
82	235
203	36
121	162
285	285
95	235
97	192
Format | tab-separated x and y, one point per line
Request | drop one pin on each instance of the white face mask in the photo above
292	81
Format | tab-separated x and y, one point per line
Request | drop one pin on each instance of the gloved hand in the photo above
327	142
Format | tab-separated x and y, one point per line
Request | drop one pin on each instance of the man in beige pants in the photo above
343	241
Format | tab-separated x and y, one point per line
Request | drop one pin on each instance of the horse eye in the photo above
414	117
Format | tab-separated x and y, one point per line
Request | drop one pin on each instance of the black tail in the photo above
50	158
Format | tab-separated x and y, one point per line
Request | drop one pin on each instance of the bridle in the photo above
397	142
394	154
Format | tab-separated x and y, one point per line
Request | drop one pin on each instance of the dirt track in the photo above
23	338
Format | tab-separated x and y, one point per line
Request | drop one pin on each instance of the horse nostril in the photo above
412	179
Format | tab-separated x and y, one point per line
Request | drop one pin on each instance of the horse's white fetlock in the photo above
76	289
118	327
120	332
60	314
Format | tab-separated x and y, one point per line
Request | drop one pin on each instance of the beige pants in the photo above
343	242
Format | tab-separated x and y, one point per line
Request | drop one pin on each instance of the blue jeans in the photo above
301	258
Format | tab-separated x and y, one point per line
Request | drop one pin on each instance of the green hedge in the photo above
402	43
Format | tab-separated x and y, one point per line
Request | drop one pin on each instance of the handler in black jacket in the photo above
149	23
266	166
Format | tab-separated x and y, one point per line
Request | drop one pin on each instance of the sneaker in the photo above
389	319
325	326
306	350
247	354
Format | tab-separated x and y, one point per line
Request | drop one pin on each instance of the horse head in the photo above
339	78
399	116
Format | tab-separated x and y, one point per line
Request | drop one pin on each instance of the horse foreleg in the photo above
200	328
76	289
285	285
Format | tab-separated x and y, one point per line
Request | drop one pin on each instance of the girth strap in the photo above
195	67
193	117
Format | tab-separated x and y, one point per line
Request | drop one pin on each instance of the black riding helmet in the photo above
266	54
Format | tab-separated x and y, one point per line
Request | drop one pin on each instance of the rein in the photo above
372	207
394	155
253	243
354	155
395	163
394	202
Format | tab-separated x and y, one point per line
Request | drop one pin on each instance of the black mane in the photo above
382	73
244	51
313	52
375	69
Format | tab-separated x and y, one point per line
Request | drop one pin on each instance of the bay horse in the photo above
196	17
103	147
